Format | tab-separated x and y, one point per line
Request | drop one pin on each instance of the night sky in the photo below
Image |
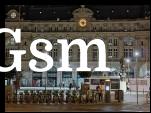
64	12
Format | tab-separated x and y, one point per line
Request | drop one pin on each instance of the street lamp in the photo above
136	54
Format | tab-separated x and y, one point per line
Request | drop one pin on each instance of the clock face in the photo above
83	22
13	15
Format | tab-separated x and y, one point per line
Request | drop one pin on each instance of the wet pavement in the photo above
78	107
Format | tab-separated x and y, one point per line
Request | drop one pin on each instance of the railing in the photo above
57	96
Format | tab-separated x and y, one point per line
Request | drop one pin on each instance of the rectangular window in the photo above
125	52
110	42
115	53
55	54
130	52
115	42
70	52
70	28
95	54
109	52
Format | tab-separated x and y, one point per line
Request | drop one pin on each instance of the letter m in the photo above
83	54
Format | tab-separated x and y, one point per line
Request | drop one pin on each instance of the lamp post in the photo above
136	54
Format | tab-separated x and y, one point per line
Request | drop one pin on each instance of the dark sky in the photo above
64	12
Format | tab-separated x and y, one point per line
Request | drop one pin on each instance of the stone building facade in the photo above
122	38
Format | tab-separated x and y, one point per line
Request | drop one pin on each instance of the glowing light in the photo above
127	60
107	80
136	53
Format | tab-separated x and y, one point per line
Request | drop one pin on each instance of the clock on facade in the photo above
82	22
13	15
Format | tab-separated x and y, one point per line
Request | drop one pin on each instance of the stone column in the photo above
74	77
59	77
44	79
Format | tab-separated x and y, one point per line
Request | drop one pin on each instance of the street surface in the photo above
78	107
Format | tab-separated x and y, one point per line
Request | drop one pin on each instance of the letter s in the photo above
40	55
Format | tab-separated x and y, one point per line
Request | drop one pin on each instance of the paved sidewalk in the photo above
78	108
132	98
